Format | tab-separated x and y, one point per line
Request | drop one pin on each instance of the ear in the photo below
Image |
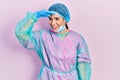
64	21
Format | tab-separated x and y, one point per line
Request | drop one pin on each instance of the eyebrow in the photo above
53	18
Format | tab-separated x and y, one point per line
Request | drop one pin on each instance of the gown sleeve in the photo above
84	61
24	32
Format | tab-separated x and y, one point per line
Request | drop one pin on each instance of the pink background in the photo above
97	20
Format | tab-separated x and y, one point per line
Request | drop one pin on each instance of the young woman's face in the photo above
56	21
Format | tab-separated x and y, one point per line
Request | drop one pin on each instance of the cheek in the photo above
61	23
50	22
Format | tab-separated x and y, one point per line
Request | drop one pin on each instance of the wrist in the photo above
33	16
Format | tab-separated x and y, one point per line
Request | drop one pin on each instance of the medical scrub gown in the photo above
59	56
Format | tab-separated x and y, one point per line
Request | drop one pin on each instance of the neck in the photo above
64	31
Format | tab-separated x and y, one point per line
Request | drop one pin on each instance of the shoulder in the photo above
77	36
39	33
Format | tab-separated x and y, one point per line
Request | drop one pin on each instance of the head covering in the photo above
61	9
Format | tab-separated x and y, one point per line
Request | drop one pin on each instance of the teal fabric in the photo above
84	71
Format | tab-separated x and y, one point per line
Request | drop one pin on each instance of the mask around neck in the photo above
60	29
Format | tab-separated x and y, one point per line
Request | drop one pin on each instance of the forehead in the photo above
55	16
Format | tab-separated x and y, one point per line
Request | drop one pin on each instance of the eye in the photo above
50	18
57	18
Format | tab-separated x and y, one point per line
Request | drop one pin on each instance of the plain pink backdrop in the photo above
97	20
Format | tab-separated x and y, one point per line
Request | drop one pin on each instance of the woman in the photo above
63	52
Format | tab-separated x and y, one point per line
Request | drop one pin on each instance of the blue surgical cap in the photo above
61	9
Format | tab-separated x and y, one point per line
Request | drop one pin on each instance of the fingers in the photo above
44	13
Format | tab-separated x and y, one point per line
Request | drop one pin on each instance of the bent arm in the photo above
84	61
23	30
